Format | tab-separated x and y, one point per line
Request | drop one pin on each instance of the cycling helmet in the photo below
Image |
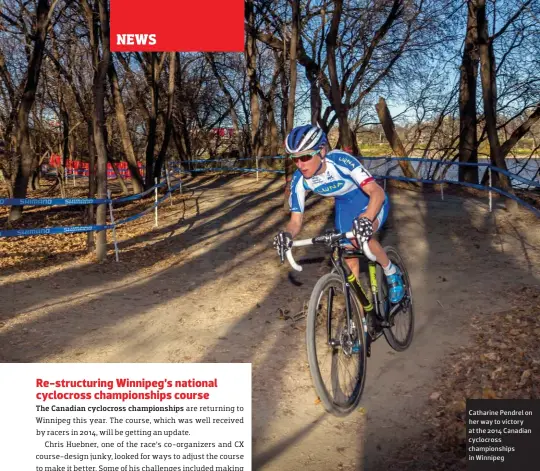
304	138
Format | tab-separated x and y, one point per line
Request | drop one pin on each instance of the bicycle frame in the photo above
338	254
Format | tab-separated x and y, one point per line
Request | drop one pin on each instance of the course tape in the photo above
124	199
420	159
472	185
228	159
51	201
231	169
147	210
52	230
84	201
74	201
516	177
90	228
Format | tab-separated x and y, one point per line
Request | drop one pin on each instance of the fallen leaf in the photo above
495	372
490	356
524	377
488	393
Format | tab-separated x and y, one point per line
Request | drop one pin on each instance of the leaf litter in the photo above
19	254
502	361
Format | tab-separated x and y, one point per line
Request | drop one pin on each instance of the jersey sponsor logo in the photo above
347	161
329	187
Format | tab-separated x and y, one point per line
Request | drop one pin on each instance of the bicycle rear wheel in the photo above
399	336
338	366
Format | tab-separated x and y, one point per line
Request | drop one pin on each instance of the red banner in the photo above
78	167
177	25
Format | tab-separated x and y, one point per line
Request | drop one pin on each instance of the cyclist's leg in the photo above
344	215
373	243
346	212
392	272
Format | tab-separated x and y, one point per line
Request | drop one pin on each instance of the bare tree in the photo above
97	17
468	140
127	143
394	140
488	73
44	12
295	34
168	116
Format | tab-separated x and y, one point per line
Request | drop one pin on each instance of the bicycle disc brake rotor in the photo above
347	340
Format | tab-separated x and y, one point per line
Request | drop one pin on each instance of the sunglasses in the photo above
305	157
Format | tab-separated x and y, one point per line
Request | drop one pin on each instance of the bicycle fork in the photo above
345	338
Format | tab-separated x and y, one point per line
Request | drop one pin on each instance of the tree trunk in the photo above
152	122
28	160
90	210
295	34
100	77
520	131
168	117
346	138
274	134
65	131
119	177
136	179
232	110
281	56
395	142
251	63
489	94
314	96
468	137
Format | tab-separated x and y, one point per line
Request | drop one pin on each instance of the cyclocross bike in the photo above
343	321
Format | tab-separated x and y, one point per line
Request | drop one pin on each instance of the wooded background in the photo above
446	79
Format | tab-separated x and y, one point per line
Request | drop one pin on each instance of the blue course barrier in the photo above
52	230
95	201
51	201
146	211
461	164
232	169
75	202
471	185
138	196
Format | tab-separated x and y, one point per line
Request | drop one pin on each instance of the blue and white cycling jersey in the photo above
343	179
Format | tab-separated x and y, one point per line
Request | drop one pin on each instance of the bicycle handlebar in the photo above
299	243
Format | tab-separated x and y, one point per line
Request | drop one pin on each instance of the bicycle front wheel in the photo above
336	354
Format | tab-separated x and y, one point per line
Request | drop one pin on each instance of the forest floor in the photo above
206	286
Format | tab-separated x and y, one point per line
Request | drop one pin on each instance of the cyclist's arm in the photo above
295	224
376	200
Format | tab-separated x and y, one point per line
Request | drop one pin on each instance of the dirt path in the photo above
208	288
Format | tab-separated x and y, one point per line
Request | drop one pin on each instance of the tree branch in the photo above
520	131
